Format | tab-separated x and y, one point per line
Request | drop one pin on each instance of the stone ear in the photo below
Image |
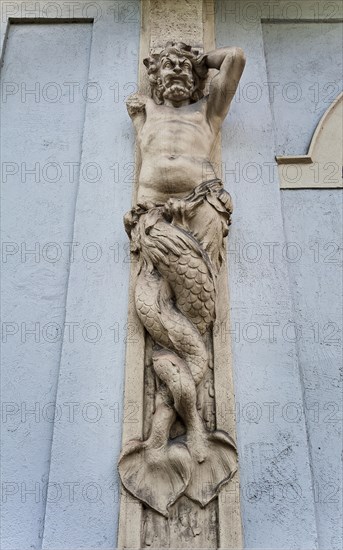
146	62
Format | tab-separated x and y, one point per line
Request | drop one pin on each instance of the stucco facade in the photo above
68	171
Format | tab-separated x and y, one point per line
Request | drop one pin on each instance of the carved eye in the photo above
187	64
167	65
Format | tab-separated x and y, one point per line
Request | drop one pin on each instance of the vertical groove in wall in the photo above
3	43
68	277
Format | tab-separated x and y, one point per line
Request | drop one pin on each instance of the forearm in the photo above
230	64
215	58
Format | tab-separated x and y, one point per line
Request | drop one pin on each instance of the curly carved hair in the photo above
200	70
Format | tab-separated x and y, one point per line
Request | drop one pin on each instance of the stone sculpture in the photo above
177	231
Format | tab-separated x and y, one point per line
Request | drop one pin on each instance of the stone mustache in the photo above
177	231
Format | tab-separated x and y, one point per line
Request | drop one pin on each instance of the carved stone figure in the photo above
177	231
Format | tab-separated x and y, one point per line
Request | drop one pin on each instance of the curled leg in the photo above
213	453
174	372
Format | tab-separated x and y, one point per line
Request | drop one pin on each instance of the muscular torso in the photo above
176	147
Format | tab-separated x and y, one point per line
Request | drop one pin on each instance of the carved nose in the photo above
177	70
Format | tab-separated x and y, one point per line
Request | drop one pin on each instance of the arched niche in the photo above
322	166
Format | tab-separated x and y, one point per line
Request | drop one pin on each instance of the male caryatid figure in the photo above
177	231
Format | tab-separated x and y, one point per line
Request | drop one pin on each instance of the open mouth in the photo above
177	78
177	81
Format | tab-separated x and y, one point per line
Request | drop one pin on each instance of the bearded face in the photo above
176	78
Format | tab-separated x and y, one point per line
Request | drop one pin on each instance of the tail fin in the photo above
217	469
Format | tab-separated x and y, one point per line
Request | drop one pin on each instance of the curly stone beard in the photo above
180	90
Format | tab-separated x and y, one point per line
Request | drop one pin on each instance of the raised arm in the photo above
135	105
230	62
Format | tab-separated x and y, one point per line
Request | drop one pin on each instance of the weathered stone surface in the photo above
177	232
